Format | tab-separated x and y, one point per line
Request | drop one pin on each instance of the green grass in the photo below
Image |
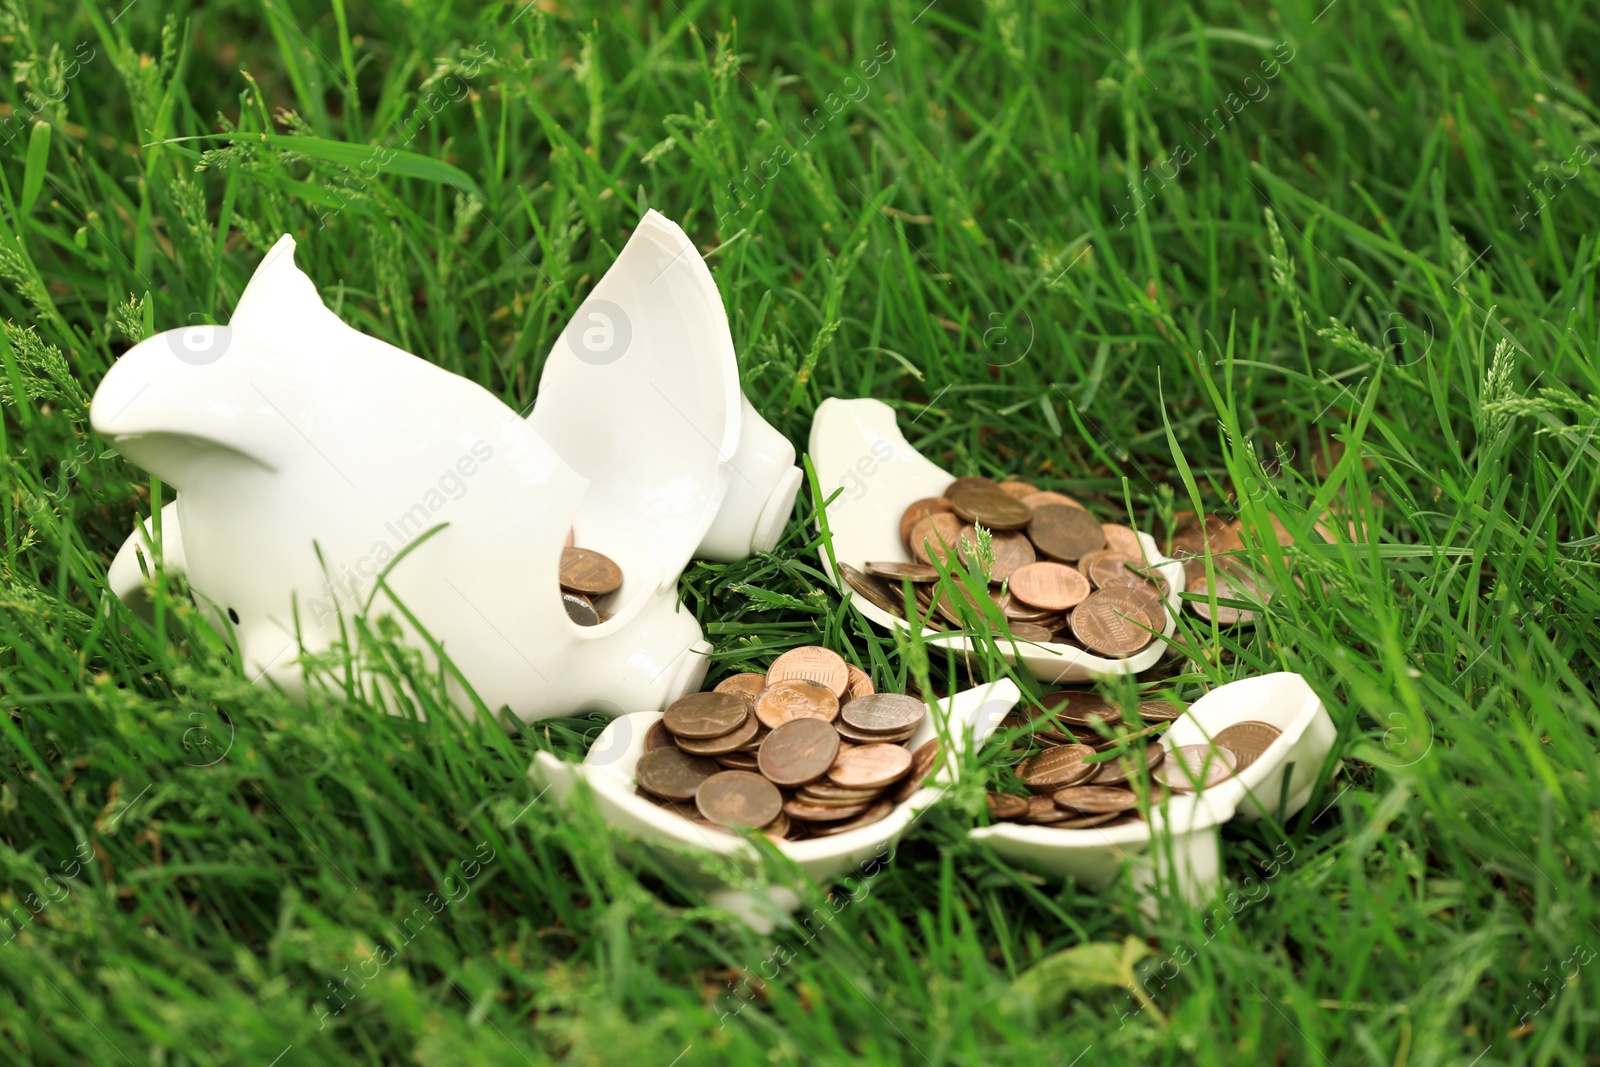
1372	290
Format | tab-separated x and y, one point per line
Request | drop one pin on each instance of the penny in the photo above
798	752
1192	536
1017	611
1057	768
738	798
1224	588
1122	769
1247	741
923	760
1123	539
990	506
580	609
1020	490
1032	633
1108	566
586	571
1194	767
969	482
1045	499
864	737
825	792
920	510
1049	586
884	713
1076	707
876	813
747	685
726	744
738	761
1141	598
1090	821
875	590
657	736
936	536
1006	806
1159	711
1095	799
1043	811
1065	533
895	572
860	684
1011	550
813	663
870	767
796	698
1110	628
809	812
778	829
672	774
950	606
705	715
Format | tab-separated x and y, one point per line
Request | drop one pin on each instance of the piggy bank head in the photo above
324	475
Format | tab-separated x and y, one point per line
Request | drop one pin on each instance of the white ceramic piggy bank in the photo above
322	474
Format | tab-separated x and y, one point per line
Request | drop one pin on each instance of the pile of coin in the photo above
809	749
1055	573
1083	767
586	576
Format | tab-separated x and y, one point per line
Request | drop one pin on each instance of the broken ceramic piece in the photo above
724	866
857	447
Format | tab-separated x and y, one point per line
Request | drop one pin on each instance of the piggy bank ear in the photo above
280	307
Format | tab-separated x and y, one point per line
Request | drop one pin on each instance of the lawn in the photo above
1330	265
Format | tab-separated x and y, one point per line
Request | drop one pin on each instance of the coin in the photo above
657	736
875	590
579	609
1247	741
1032	633
1090	821
586	571
738	761
1159	711
1123	539
672	774
747	685
1194	766
1017	611
884	713
799	751
1049	586
1044	499
1120	770
870	767
1020	490
923	760
1065	533
920	510
1107	566
1095	799
916	572
1006	806
796	698
1011	550
825	792
1043	811
969	482
864	737
807	811
703	715
860	684
738	798
1141	598
936	536
1078	707
728	743
778	829
1224	614
1110	628
990	506
876	813
813	663
1057	768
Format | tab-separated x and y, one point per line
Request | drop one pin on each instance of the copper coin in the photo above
747	685
1193	767
1006	806
888	713
1247	741
870	767
1108	566
658	736
806	811
1049	586
778	829
1042	811
950	606
813	663
1011	550
874	590
1109	627
728	743
672	774
1159	711
1117	771
1140	594
1065	533
1123	539
923	761
796	698
798	752
703	715
1032	633
1088	822
738	761
1057	768
919	511
1018	489
738	798
1238	587
991	506
1095	800
895	572
580	609
936	536
862	737
1045	499
969	482
1080	708
1090	559
860	684
877	812
586	571
1017	611
1192	536
825	792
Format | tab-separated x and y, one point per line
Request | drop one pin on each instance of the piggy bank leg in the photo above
657	657
126	578
762	482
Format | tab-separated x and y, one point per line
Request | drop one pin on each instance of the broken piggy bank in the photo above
323	475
